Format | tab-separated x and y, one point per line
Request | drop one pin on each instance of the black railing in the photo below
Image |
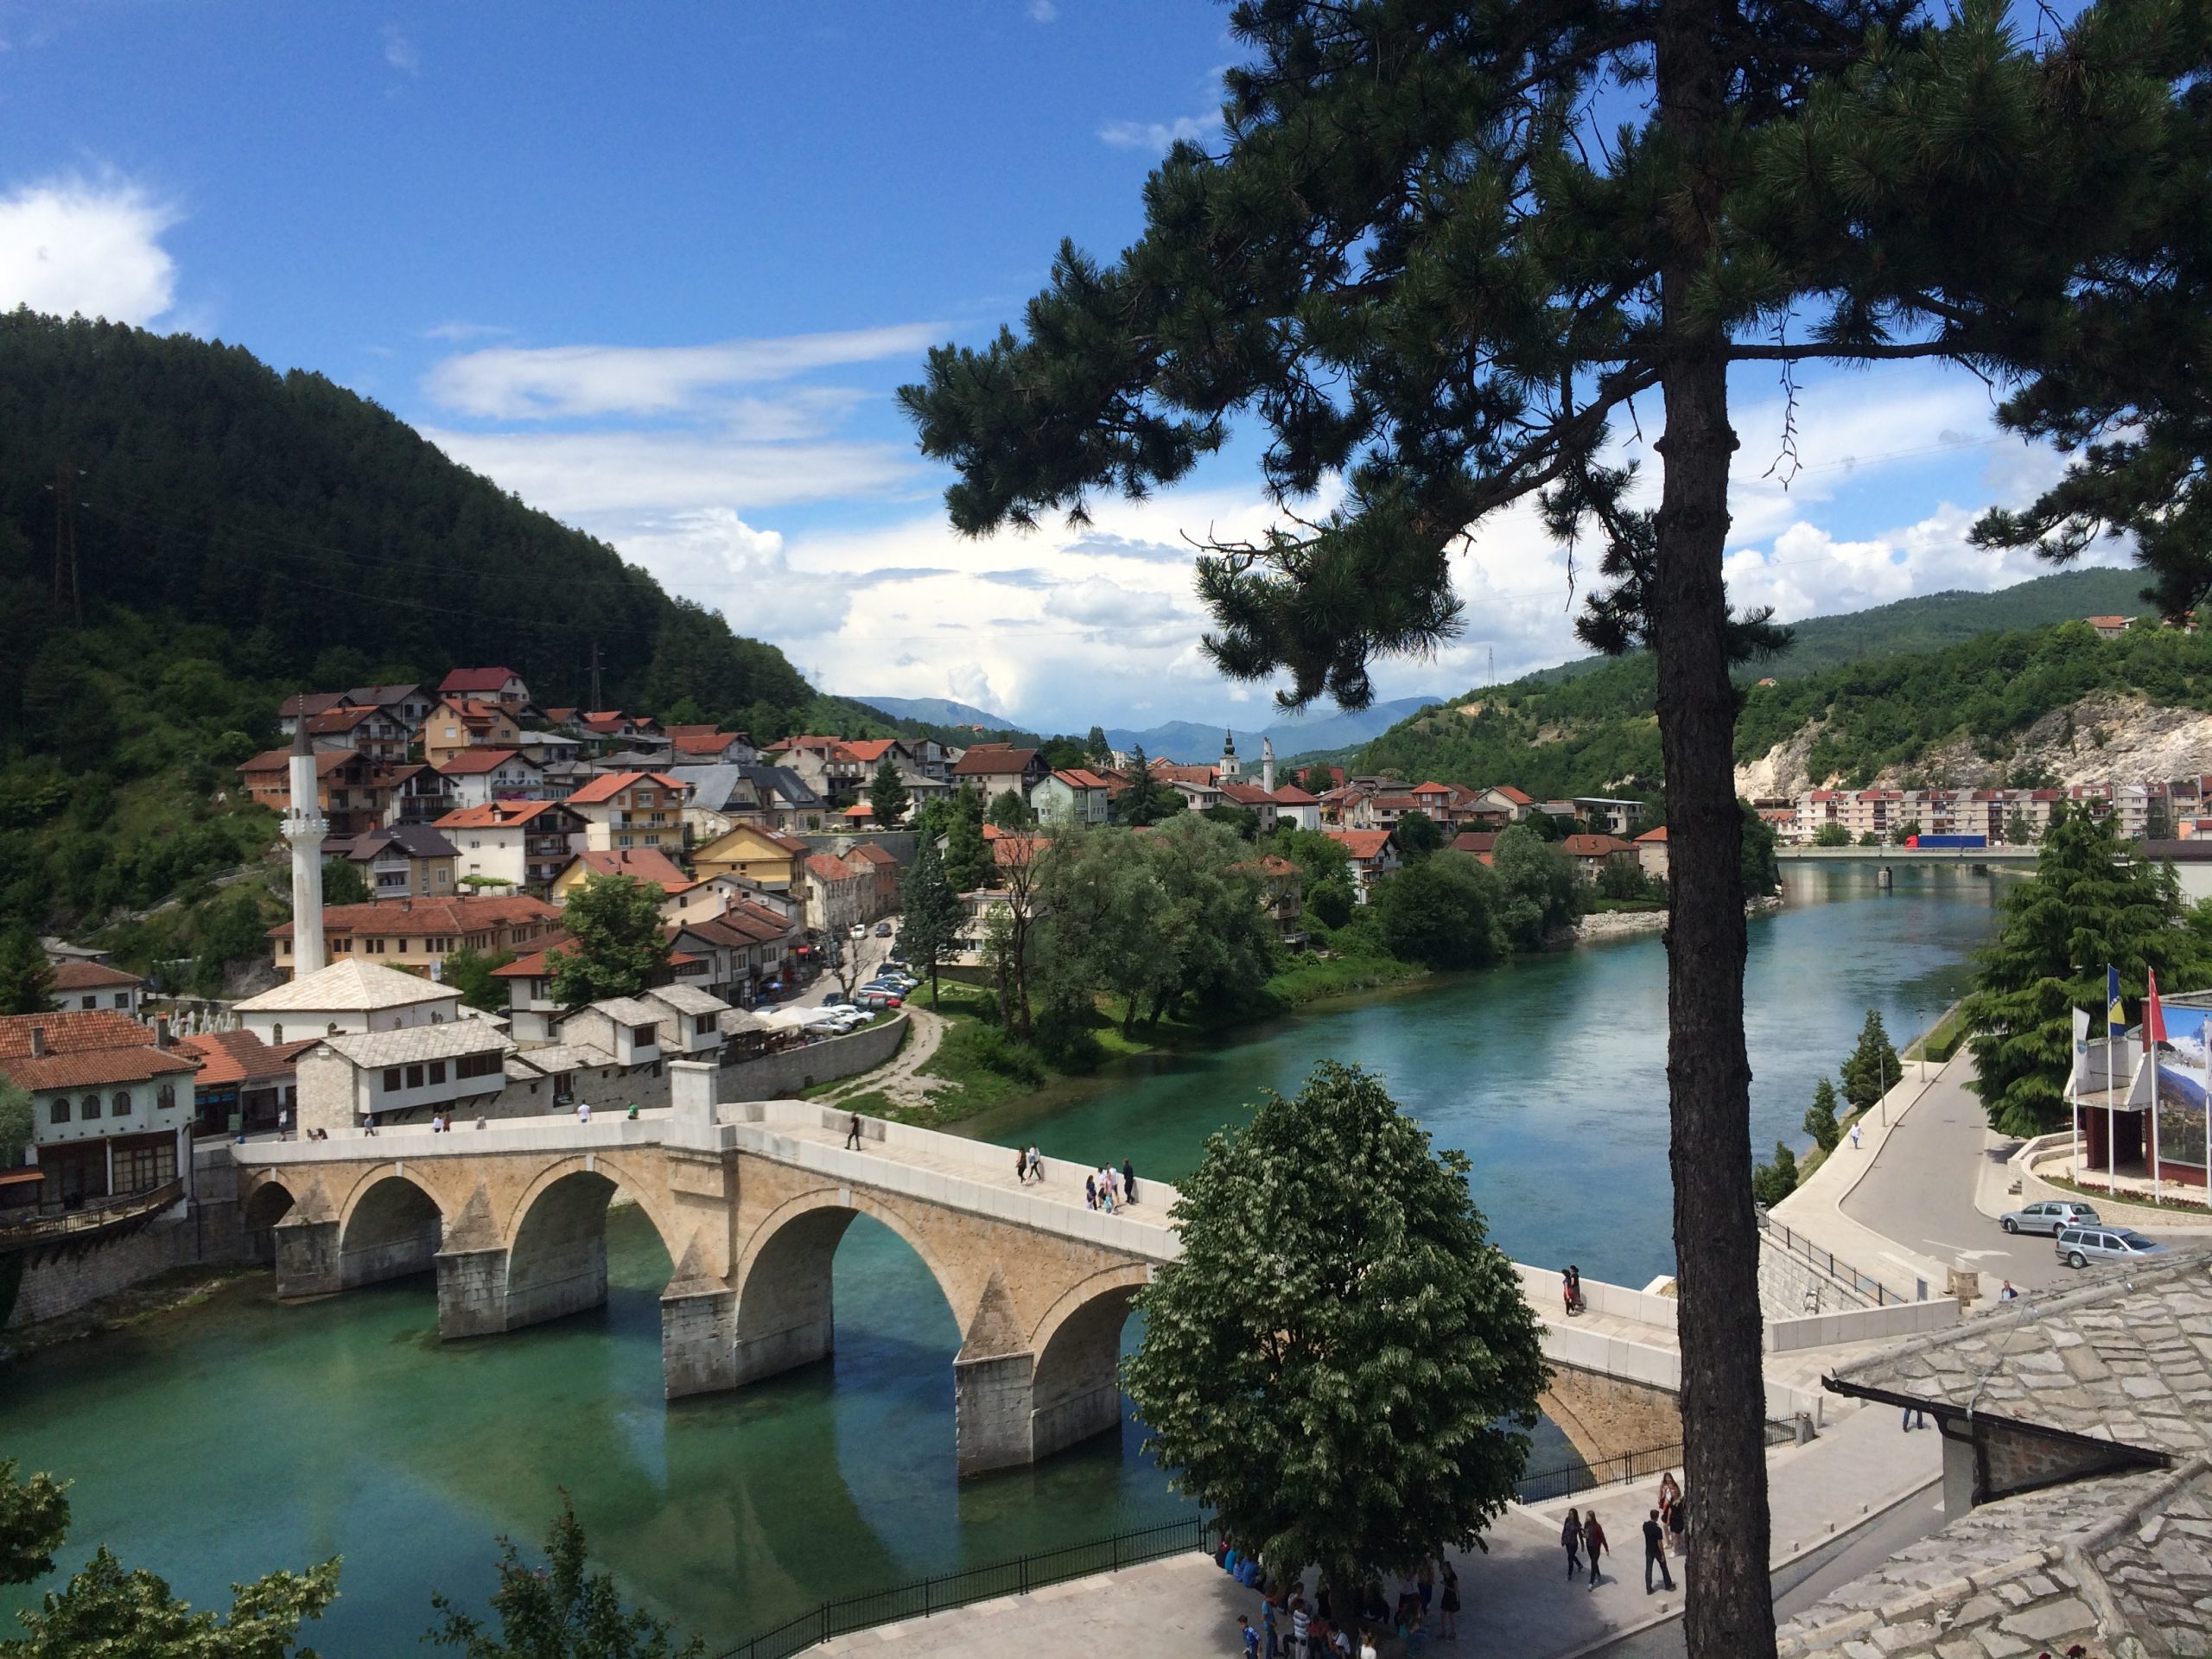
924	1597
1545	1485
1842	1272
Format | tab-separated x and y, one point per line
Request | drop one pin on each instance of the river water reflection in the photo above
215	1442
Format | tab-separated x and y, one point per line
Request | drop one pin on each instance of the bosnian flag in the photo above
2115	1014
2154	1019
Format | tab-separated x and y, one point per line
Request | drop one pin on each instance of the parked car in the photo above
835	998
2049	1217
880	999
883	930
860	930
2079	1246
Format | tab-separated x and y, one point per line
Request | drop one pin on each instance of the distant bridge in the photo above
750	1201
1892	854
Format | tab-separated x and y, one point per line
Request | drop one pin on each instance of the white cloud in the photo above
93	246
400	52
716	557
1043	11
610	481
1099	603
458	330
1157	135
518	383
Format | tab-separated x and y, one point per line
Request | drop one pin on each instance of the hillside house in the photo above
369	732
500	685
477	777
1072	795
82	986
647	865
992	769
403	860
1373	855
711	748
1297	807
632	809
353	792
420	934
1590	852
521	844
408	705
2110	627
460	724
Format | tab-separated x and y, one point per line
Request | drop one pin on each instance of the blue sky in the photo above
658	268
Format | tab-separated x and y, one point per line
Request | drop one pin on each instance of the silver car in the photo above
2080	1246
2049	1217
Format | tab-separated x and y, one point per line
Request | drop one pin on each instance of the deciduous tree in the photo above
1442	913
1418	835
619	943
343	882
471	973
1340	1363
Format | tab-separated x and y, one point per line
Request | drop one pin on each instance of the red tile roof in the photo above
477	679
1514	795
1362	844
1082	778
990	761
870	749
91	977
241	1056
869	851
640	863
83	1048
1291	795
1480	842
1660	834
394	918
494	815
1595	846
472	761
831	869
71	1033
1247	795
606	788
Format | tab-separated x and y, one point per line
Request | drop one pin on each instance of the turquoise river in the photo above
216	1441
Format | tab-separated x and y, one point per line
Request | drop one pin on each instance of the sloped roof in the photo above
348	984
640	863
1480	842
93	1068
470	761
91	977
495	814
1660	834
871	852
241	1056
828	869
72	1034
391	917
414	1043
684	999
1291	795
415	840
988	760
1362	844
477	679
606	788
626	1010
1595	846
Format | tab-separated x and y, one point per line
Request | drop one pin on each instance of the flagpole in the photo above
2112	1118
2074	1087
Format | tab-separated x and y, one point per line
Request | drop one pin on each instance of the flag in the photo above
2115	1014
2154	1019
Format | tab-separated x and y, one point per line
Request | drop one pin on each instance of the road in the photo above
1921	1190
872	950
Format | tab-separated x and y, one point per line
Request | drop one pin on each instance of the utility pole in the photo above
595	703
65	541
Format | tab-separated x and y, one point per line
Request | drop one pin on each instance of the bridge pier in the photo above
307	1258
994	1412
472	1294
698	1341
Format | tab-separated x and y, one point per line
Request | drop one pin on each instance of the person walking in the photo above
1678	1524
1593	1540
1248	1639
1654	1553
1036	1163
1570	1535
369	1123
1129	1181
1301	1624
584	1111
284	1122
1854	1137
1911	1412
1090	1192
1448	1607
853	1134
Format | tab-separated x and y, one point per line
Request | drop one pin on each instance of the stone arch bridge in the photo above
750	1201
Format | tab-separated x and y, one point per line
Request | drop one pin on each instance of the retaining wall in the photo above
779	1076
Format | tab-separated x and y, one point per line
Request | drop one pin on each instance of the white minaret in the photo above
1268	764
305	827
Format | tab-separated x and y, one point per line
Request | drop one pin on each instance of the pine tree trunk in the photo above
1729	1609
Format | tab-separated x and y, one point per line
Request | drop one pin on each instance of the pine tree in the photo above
1821	1121
931	914
886	796
1421	261
1871	1069
26	976
2085	909
966	855
1097	749
1772	1183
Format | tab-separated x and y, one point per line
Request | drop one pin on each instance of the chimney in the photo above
160	1031
38	1042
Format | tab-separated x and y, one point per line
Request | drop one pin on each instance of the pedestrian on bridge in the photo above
1570	1535
1129	1181
1654	1553
853	1135
1593	1540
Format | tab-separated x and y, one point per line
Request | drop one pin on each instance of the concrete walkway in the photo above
898	1077
1516	1598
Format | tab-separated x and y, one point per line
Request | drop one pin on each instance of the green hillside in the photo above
1596	731
235	534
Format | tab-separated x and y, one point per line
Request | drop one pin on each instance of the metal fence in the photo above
1842	1272
924	1597
1546	1485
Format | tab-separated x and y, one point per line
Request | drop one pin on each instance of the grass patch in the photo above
1307	979
1941	1040
2137	1200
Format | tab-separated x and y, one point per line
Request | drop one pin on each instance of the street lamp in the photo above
1882	1072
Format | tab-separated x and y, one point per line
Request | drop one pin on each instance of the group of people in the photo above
1666	1532
1110	1189
1570	1289
1292	1626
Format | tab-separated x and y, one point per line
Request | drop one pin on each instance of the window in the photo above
277	1033
391	1079
437	1070
165	1098
121	1103
486	1065
122	999
644	1036
90	1002
89	1108
59	1112
414	1077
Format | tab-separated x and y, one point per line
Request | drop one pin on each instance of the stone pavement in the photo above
1517	1600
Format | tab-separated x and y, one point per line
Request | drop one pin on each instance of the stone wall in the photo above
61	1286
1791	1287
1606	1419
779	1077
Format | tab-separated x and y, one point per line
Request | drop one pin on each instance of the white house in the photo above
350	995
481	776
110	1105
456	1067
1071	795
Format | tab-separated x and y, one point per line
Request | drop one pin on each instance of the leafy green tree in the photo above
1623	878
1538	890
1009	812
1821	1120
343	882
1442	913
966	855
928	927
1762	866
2085	908
1870	839
2019	832
1773	1182
471	973
1834	835
886	795
26	976
1096	749
1320	855
18	1124
559	1611
106	1609
1337	1311
1418	835
620	946
225	930
1330	902
1422	259
1242	819
1903	830
1872	1068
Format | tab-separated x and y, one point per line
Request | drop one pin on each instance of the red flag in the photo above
2154	1021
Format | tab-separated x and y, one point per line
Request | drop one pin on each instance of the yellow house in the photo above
760	856
460	724
647	865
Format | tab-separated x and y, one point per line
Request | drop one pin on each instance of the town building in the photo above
352	791
632	809
480	776
458	1067
84	986
241	1083
349	994
992	769
499	685
421	933
1592	852
1373	853
648	865
1295	806
522	844
403	860
1651	853
1071	795
766	857
460	724
111	1106
365	731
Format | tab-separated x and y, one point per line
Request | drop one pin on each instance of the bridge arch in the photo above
785	1316
269	1203
602	1175
391	1227
1076	1388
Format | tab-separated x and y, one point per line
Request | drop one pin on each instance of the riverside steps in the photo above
750	1201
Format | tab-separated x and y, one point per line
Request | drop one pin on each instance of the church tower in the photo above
305	827
1231	770
1268	764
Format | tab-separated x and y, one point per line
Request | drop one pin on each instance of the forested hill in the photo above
320	539
1963	713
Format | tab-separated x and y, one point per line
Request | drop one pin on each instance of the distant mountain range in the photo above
1189	741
